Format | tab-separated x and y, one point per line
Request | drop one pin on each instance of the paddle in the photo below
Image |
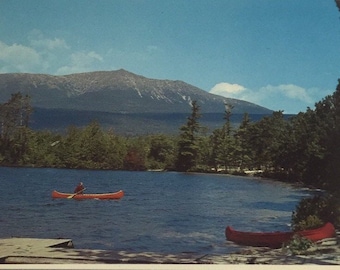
71	196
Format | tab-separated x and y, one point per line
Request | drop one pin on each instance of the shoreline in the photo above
61	251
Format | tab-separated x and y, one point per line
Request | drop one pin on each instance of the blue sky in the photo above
283	55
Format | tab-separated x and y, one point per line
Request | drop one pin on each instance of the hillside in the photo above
114	97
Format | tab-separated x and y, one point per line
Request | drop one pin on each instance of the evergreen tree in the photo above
223	147
227	146
14	120
300	147
243	148
332	168
268	136
216	140
188	141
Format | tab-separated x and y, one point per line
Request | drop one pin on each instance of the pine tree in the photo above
243	148
188	141
14	120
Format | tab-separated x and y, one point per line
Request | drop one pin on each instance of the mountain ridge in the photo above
116	91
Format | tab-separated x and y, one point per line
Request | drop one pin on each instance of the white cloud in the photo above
50	44
53	55
18	57
236	91
39	55
290	91
46	55
228	90
286	97
37	40
81	62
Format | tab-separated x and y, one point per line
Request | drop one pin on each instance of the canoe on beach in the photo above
101	196
276	239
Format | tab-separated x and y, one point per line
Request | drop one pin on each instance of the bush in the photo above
311	222
298	244
315	211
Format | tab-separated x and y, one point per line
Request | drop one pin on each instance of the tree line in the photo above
303	149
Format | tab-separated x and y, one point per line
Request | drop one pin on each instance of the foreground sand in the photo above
61	251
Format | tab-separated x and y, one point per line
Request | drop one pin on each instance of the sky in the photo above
283	55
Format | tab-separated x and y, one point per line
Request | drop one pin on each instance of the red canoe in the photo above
276	239
101	196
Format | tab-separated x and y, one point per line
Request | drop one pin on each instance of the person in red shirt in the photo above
80	188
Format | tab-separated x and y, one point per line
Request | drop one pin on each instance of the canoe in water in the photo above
276	239
101	196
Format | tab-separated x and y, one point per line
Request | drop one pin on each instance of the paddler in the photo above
79	189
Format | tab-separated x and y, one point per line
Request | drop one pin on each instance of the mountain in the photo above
115	91
76	99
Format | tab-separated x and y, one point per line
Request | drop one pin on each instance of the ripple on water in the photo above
160	212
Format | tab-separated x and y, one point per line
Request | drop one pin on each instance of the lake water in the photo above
161	211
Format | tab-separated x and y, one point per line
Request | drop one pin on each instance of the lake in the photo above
166	212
